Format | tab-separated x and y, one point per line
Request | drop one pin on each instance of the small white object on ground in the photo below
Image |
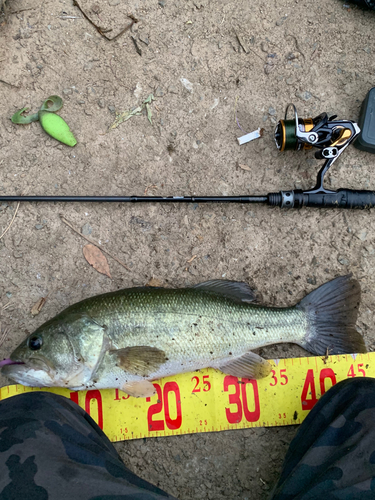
250	137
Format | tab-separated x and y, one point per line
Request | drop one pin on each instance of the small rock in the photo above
88	66
264	47
101	103
193	271
290	80
113	3
311	281
17	255
86	229
162	3
40	66
159	92
269	67
281	21
144	39
370	249
145	225
272	111
291	56
362	235
8	294
81	102
39	226
17	238
67	91
173	89
188	85
220	45
343	260
112	109
305	96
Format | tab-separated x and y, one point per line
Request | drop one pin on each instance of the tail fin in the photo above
332	311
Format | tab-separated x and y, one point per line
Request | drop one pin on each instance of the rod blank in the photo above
140	199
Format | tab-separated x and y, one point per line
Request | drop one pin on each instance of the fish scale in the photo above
186	321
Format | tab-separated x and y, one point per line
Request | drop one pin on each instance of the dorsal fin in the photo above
234	290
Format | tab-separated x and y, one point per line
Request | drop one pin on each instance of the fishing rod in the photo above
329	136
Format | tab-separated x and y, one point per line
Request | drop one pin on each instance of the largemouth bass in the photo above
127	339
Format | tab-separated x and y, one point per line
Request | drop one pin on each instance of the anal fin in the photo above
139	389
249	365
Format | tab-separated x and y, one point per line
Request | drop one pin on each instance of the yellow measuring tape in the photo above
209	401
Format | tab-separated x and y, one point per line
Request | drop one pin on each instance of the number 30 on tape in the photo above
209	401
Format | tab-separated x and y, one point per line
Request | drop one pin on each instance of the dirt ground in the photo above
318	54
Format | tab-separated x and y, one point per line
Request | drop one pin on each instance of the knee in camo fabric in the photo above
333	453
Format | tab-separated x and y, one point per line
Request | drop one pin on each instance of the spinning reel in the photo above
329	136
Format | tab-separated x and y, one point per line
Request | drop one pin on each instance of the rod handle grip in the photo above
343	198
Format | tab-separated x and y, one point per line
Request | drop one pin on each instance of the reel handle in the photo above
343	198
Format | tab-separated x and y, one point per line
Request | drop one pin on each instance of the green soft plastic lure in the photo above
51	123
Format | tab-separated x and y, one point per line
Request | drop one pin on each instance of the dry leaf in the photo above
37	307
154	282
96	259
244	167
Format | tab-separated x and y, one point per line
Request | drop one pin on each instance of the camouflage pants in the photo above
51	449
366	3
332	456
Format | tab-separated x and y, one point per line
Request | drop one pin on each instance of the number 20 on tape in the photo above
208	400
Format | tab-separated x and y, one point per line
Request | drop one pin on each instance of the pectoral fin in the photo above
249	365
139	360
140	389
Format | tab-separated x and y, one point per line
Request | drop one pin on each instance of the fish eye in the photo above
35	342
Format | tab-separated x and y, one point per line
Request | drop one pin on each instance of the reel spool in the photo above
327	134
286	133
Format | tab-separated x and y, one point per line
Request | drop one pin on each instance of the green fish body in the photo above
127	339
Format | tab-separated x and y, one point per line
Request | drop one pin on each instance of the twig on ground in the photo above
93	242
3	332
241	42
21	10
7	83
137	47
11	222
100	30
69	17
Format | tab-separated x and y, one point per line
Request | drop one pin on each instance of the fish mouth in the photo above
9	361
36	363
26	374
